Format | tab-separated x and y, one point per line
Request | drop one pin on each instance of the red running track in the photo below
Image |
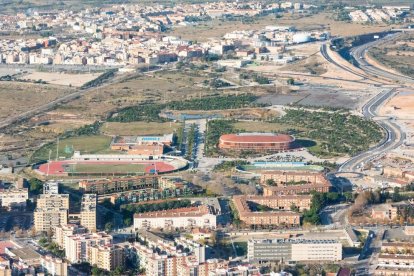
57	167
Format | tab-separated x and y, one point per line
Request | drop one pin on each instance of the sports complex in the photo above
110	165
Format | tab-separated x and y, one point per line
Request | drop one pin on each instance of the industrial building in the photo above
284	250
256	142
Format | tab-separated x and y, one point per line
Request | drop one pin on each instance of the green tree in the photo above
108	227
35	186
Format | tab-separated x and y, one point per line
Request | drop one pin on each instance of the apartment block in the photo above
13	197
183	257
266	250
61	232
77	247
47	218
294	182
51	187
53	201
51	211
88	211
200	216
54	266
266	218
106	257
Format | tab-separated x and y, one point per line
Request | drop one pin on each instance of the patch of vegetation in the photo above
229	165
260	79
191	141
150	111
99	80
319	201
215	129
337	133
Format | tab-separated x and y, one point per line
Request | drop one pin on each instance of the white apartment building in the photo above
200	216
13	197
61	232
77	247
323	250
51	187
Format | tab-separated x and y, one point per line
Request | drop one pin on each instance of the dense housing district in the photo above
206	139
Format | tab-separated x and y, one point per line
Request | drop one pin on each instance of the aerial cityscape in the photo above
207	138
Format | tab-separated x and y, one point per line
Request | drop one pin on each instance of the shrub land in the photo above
150	111
326	134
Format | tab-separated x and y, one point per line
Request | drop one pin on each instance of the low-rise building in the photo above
283	250
409	230
199	216
264	218
119	184
384	212
13	197
293	182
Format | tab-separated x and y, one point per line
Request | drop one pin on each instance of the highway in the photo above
394	135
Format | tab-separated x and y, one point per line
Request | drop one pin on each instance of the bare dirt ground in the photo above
401	107
321	21
17	97
158	87
76	80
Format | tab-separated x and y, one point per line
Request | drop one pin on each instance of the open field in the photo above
16	97
158	87
139	128
99	168
76	80
397	54
84	144
401	106
320	21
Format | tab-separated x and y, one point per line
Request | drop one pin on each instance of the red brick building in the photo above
256	142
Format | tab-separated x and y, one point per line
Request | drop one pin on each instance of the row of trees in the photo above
229	165
215	129
260	79
99	80
151	111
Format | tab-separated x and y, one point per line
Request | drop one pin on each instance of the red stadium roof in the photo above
257	138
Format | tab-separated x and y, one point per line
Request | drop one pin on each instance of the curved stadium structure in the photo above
256	142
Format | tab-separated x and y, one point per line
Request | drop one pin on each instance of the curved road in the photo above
394	135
